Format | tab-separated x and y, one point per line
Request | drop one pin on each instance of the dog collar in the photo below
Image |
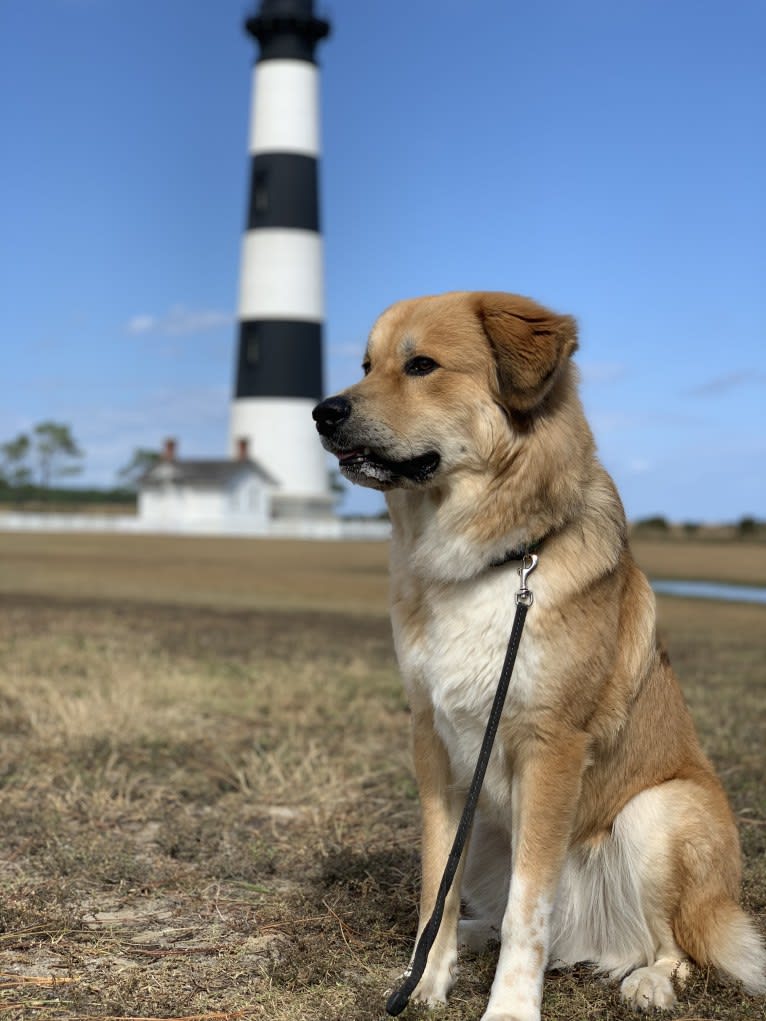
518	553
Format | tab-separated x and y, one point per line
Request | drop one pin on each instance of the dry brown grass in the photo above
209	811
347	577
737	562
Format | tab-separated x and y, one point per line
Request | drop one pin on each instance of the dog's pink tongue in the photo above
347	455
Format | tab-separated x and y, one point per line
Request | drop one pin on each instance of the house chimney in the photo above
243	454
169	453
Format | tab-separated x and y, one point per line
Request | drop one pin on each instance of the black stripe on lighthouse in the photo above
283	191
279	358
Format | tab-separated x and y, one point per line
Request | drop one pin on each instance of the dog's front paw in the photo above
437	981
510	1015
648	988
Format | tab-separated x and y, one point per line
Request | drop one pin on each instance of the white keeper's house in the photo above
221	496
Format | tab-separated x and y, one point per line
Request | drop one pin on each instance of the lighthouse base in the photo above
281	438
295	507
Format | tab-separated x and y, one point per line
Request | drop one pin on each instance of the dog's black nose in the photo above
330	413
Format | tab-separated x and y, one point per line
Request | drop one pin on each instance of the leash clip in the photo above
528	563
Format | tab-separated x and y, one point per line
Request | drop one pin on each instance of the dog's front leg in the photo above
440	808
546	786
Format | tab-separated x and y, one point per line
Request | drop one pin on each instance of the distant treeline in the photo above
657	525
64	497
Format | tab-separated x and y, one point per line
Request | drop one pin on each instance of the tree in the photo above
747	527
55	451
656	523
139	464
14	469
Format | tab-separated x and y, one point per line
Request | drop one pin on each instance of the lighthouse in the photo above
281	299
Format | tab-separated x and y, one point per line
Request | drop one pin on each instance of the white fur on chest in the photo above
455	656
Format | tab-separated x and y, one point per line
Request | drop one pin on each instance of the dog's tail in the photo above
718	932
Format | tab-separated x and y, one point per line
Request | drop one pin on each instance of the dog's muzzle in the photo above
361	462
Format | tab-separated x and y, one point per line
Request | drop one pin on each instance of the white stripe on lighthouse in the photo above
281	275
285	110
284	441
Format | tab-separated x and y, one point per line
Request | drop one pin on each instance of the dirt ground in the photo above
206	800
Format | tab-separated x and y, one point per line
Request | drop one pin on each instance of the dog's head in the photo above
446	378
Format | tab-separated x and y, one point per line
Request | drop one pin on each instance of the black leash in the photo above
400	997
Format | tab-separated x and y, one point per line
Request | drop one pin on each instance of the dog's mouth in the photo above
365	466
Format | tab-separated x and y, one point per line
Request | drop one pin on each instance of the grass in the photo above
347	577
227	573
206	801
736	562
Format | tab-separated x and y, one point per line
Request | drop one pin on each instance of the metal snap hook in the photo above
528	564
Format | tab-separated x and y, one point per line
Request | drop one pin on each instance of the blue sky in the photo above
606	158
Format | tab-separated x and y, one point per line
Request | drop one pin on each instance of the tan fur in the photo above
597	720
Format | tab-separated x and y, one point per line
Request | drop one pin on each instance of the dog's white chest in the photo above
455	655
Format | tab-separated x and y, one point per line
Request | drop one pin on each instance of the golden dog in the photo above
602	834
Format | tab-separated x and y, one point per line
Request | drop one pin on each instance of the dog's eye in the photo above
366	368
420	366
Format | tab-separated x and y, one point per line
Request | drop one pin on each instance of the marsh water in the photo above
710	590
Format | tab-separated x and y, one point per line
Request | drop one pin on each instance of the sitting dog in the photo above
602	833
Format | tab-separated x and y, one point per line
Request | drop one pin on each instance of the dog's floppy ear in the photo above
529	343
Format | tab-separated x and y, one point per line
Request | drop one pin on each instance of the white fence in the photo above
327	528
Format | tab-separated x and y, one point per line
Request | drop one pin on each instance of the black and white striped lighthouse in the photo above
281	302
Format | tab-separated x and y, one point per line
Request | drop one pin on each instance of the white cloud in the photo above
727	382
196	416
606	421
163	408
601	372
141	324
179	321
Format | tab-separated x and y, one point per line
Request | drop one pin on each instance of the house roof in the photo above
210	474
